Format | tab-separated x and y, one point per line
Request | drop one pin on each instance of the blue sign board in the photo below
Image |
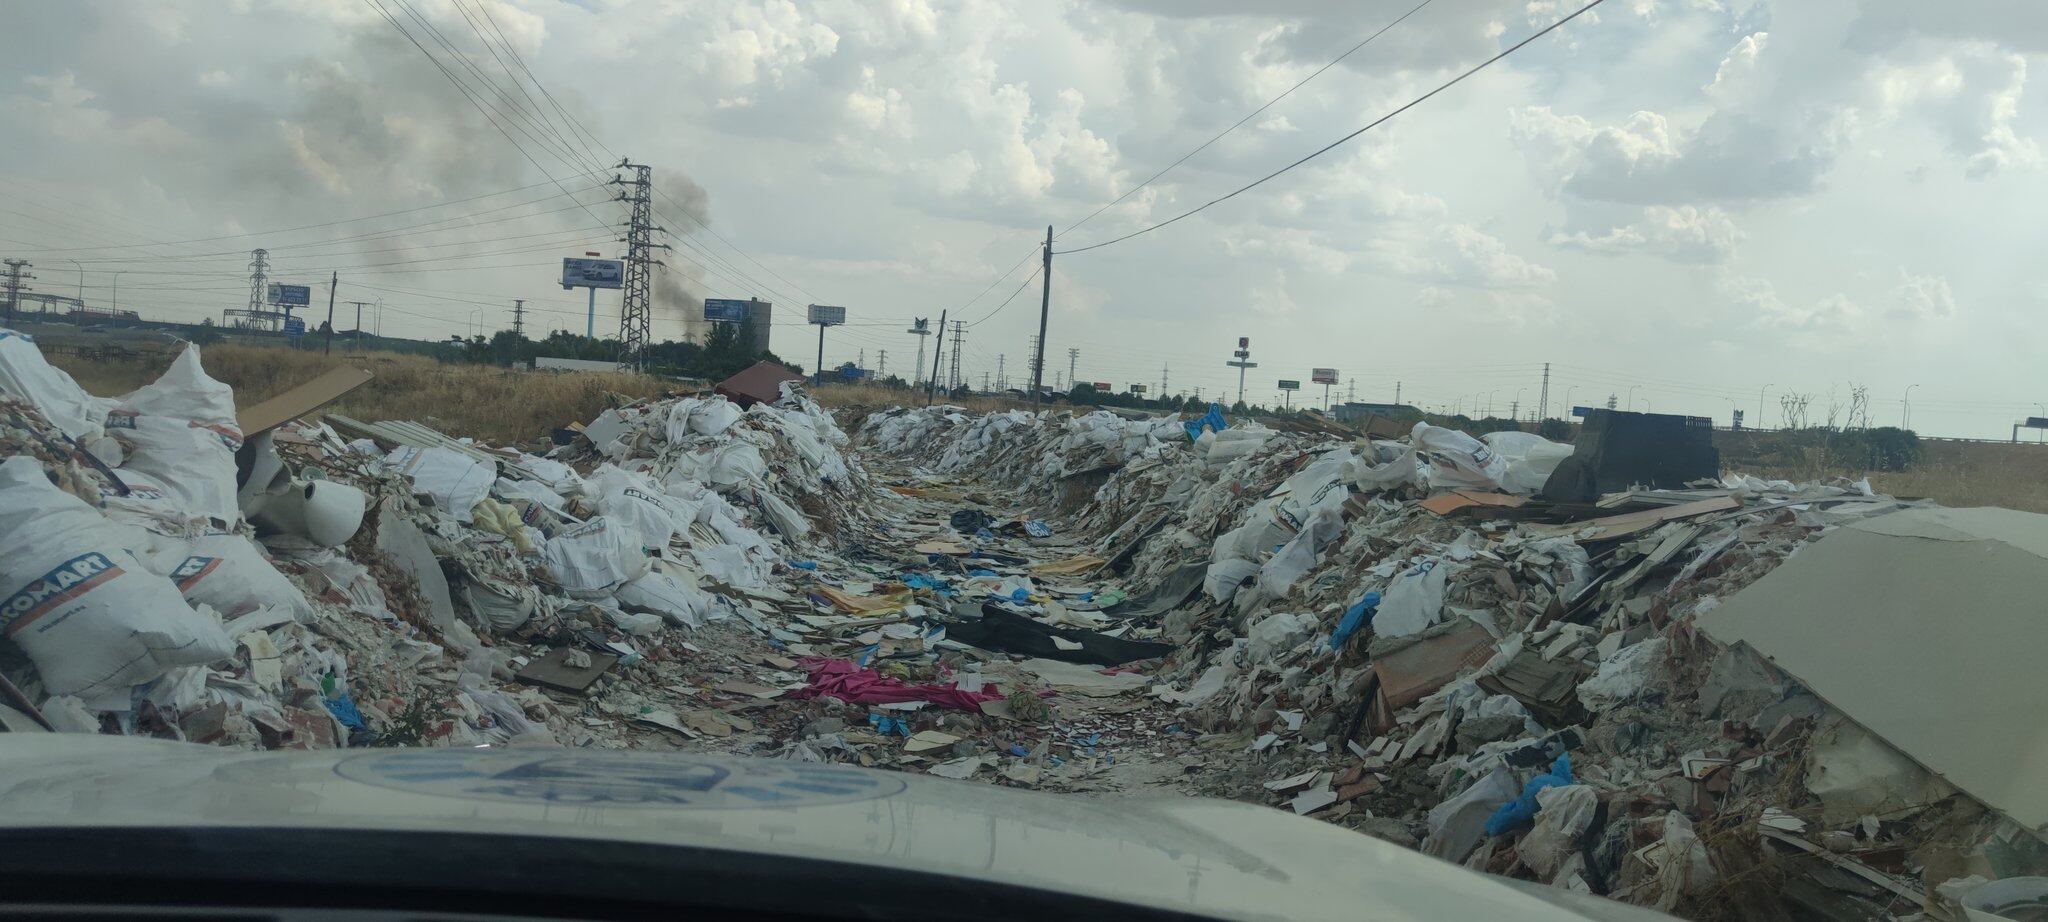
849	372
294	326
1581	411
725	310
293	295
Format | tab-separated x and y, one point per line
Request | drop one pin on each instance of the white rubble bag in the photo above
1530	458
227	572
670	595
1414	599
592	560
83	607
1389	466
633	502
1457	461
1624	675
26	376
180	433
457	482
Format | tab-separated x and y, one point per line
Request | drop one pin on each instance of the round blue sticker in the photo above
615	779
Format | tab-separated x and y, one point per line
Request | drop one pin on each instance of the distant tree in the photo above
206	334
1556	430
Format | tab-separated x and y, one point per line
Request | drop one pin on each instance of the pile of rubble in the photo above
1549	663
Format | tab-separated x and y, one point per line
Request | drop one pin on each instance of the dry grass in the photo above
1952	473
493	404
878	397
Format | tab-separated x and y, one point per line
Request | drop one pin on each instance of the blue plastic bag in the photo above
1521	811
1355	617
1213	420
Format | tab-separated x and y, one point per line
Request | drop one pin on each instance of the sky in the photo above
1690	206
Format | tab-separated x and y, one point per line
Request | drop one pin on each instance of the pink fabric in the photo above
850	683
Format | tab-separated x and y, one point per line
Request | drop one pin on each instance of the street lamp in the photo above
1568	400
1906	408
1632	397
117	292
473	312
81	283
1489	400
1760	404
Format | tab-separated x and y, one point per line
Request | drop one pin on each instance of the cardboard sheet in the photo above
1926	626
1448	503
301	400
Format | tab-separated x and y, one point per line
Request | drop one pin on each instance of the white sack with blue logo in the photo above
227	572
91	617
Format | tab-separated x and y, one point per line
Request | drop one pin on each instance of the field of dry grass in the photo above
493	404
877	397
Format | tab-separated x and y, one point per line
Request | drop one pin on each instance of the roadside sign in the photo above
593	273
827	315
1323	375
294	326
1244	342
1287	385
725	310
1137	388
1581	411
1103	386
293	295
2036	422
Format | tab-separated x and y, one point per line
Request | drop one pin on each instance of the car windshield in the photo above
1502	438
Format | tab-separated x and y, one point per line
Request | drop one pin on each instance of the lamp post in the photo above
1760	404
117	292
1632	397
1906	408
1489	400
473	312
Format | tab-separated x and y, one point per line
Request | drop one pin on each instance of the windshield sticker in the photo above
615	779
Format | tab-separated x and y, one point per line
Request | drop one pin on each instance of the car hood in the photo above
1202	856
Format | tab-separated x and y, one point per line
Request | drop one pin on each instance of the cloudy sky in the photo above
1678	202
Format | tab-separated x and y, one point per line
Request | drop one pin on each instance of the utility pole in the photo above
1397	393
1044	310
518	315
358	337
1242	362
1514	409
636	305
984	380
921	327
1162	380
953	379
332	282
14	287
1543	402
940	344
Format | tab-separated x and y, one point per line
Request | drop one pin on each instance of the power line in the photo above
1006	301
1511	49
1248	117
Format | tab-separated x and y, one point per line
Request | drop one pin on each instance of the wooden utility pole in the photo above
1044	309
937	347
332	281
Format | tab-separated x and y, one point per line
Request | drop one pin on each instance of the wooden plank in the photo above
301	400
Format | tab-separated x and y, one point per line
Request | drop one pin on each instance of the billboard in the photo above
725	310
291	295
295	326
1137	388
827	315
1102	386
1581	411
1287	385
578	272
1323	375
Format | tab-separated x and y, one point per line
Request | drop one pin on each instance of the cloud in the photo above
1921	297
1685	234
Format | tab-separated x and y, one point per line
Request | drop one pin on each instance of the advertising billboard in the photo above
725	310
290	295
1137	388
1287	385
578	272
1323	375
1102	386
827	314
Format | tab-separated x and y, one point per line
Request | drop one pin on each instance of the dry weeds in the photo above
493	404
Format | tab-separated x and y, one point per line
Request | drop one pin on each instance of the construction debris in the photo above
1619	693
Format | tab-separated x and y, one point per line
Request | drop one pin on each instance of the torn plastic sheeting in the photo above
1623	676
1009	632
847	682
87	612
1355	617
1277	634
1563	814
1530	459
733	566
1390	466
1458	825
455	481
